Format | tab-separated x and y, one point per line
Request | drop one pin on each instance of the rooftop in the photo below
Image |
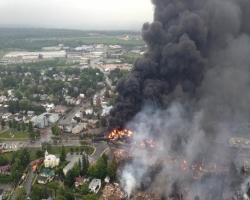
47	171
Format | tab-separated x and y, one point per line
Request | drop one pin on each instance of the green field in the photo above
111	40
13	135
55	150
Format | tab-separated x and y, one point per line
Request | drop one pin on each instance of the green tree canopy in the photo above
85	189
21	194
90	197
111	169
63	154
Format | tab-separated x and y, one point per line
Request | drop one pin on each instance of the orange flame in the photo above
115	134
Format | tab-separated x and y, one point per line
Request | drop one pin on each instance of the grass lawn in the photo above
54	150
18	135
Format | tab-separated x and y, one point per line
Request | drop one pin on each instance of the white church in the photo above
50	160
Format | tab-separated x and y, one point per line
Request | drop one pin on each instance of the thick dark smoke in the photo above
178	44
187	41
189	92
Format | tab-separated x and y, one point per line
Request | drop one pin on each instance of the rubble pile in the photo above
112	192
145	196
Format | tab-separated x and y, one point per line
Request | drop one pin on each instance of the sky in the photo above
77	14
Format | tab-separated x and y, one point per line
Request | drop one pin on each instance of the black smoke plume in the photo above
187	47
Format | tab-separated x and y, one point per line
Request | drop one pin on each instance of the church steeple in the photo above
46	153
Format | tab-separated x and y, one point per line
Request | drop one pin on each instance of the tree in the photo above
23	127
31	135
63	154
60	197
69	178
46	146
80	165
85	189
14	123
39	153
30	127
55	130
90	92
105	158
21	194
90	197
71	150
18	127
38	191
10	123
16	171
101	168
85	164
2	123
53	185
111	169
92	171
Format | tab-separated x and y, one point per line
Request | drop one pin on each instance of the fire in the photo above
116	134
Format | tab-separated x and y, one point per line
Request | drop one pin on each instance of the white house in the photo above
6	116
89	111
95	185
50	107
50	160
30	113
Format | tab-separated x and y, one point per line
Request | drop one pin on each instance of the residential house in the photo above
3	98
95	185
97	100
51	160
6	116
51	97
106	110
89	111
46	176
93	123
79	182
82	96
78	101
20	118
43	97
79	127
69	100
60	109
31	113
78	114
50	107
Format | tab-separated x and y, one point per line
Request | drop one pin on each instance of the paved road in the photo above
27	183
100	148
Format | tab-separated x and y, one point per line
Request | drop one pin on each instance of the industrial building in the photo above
44	119
36	55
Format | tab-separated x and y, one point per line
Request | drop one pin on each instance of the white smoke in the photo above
128	182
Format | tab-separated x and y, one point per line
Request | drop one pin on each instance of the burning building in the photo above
188	90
